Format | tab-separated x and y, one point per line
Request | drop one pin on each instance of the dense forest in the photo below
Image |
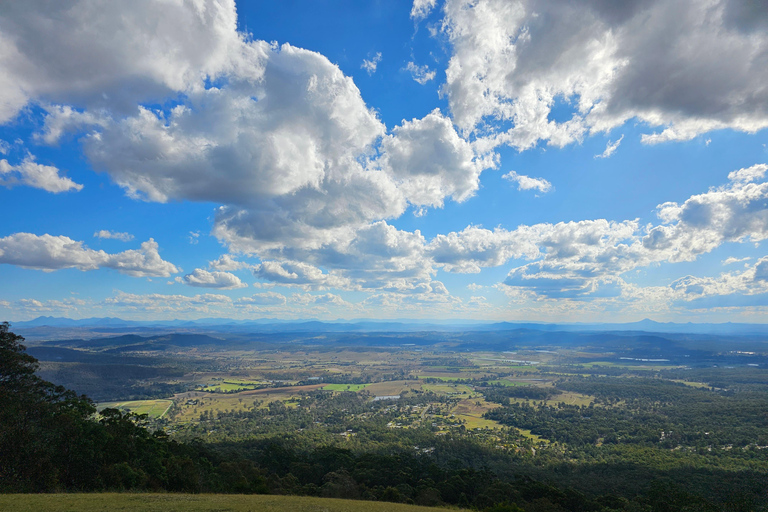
606	456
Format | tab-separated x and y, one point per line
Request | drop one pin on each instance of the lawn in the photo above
192	503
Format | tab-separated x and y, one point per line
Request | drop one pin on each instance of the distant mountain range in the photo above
276	325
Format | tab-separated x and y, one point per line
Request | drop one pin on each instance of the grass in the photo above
215	402
441	378
508	383
448	389
472	413
393	387
344	387
152	408
228	387
192	503
530	435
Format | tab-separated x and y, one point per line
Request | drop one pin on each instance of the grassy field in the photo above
505	382
226	387
394	387
152	408
192	503
472	410
215	402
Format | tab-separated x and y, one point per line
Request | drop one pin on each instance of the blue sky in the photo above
490	160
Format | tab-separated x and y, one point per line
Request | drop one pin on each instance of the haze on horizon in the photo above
489	160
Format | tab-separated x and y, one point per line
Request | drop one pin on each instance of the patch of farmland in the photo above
393	387
152	408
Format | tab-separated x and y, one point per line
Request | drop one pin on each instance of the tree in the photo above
43	427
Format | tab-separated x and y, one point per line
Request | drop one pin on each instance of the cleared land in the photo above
152	408
192	503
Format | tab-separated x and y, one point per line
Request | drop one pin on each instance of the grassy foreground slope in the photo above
93	502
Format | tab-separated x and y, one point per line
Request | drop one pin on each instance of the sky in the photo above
511	160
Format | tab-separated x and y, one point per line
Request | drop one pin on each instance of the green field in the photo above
226	387
444	379
152	408
505	382
344	387
193	503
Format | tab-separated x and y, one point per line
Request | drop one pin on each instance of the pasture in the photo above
74	502
153	408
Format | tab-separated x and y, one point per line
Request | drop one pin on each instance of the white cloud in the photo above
421	74
204	279
161	303
430	161
49	253
528	183
194	237
422	8
33	174
262	299
328	299
289	167
731	260
610	148
684	67
35	306
114	235
371	65
146	51
296	273
227	263
733	212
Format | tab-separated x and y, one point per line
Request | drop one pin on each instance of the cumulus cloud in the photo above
586	262
371	65
328	299
204	279
114	235
528	183
422	8
146	52
610	148
285	154
296	273
33	174
34	306
262	299
206	303
732	259
430	161
421	74
227	263
588	258
751	282
49	253
684	67
303	169
733	212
